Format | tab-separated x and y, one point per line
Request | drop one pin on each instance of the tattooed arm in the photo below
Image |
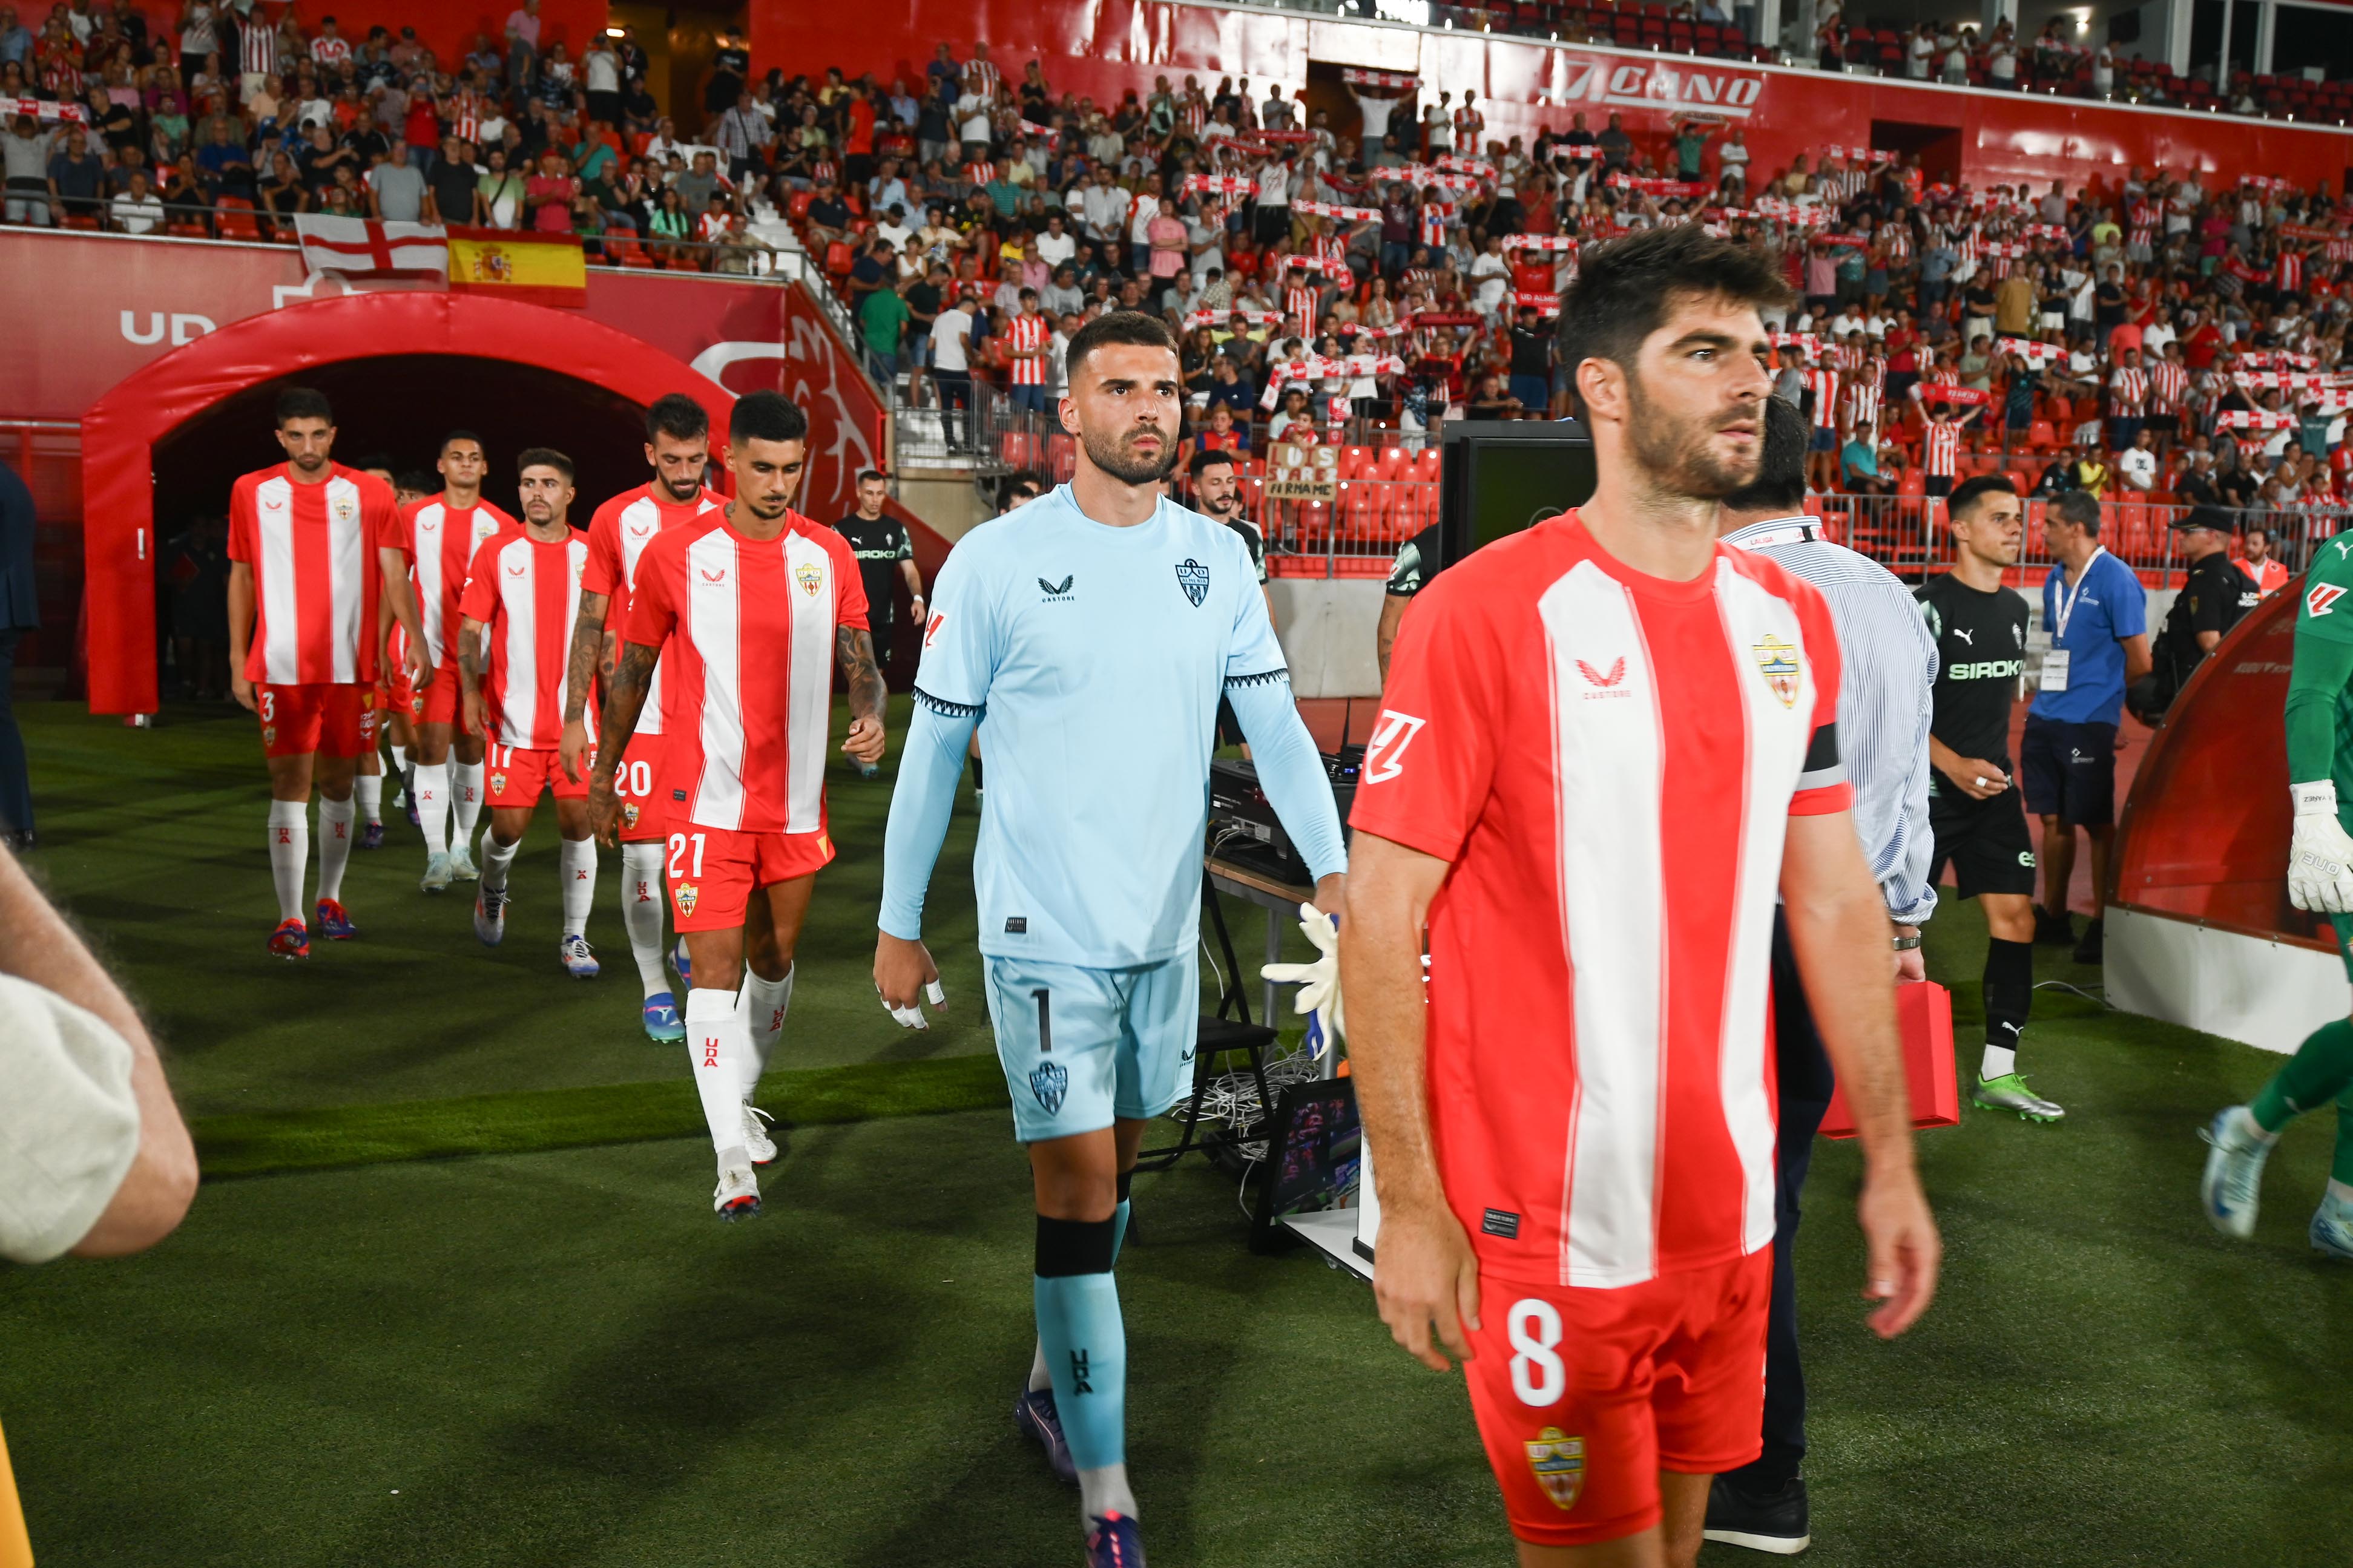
624	700
470	674
855	648
591	663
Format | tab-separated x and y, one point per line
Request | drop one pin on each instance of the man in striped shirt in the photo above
748	612
1887	673
2128	400
313	547
1027	347
1822	462
520	596
2169	390
1940	448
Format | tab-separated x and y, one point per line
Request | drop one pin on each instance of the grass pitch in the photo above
452	1294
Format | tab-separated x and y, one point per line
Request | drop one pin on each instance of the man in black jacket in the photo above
20	612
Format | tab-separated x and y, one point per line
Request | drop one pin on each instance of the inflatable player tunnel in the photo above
2200	929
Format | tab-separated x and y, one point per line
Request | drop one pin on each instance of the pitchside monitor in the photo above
1499	478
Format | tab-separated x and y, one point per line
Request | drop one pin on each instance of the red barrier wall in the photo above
1102	47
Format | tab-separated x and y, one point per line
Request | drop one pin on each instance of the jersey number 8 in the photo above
1533	1327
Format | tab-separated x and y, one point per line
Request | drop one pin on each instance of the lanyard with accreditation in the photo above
2054	662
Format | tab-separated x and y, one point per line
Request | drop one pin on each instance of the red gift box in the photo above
1923	1020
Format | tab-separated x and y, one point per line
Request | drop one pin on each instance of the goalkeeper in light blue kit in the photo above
1088	636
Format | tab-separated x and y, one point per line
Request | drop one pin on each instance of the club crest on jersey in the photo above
2322	599
810	577
1194	578
269	734
629	815
1559	1461
346	509
1049	1083
498	784
1777	661
687	896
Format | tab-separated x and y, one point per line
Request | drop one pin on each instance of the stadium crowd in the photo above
2146	338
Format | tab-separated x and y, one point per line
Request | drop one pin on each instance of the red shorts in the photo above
438	701
516	776
637	783
328	718
1583	1395
713	870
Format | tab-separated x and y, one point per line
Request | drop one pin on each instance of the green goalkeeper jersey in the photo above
2321	691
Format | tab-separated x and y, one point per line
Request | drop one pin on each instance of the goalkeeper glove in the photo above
1318	982
2321	860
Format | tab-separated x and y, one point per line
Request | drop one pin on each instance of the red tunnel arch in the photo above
123	429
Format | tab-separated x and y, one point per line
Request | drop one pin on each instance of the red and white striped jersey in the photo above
466	116
1299	310
2290	272
2168	386
1609	761
746	630
1027	332
2143	221
617	537
825	172
1899	242
1941	448
1469	125
2127	391
1825	385
440	541
980	77
526	595
312	552
979	174
1434	216
332	51
1863	402
256	45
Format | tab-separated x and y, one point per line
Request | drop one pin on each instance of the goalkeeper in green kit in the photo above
2319	878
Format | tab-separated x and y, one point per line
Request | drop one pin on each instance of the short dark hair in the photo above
413	479
2081	508
1014	480
1625	287
1130	328
866	474
767	416
303	403
544	458
678	417
1780	482
1966	494
1209	457
372	461
456	435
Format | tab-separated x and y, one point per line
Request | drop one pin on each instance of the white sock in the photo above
497	858
399	759
715	1045
367	790
1104	1491
289	853
335	818
641	912
2001	1061
465	800
430	791
2249	1131
765	1003
576	861
1039	1377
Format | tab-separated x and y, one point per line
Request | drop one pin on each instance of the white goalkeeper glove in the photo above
1318	982
2320	859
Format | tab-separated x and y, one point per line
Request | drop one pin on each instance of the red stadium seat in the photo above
236	220
839	259
623	250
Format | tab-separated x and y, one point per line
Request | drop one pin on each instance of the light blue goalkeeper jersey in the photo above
1093	658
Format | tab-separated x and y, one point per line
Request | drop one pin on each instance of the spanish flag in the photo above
519	264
